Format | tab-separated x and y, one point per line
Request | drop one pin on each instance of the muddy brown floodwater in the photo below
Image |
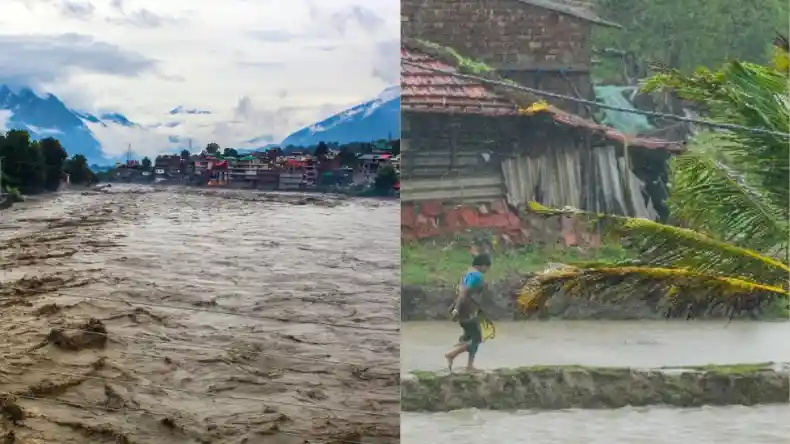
143	315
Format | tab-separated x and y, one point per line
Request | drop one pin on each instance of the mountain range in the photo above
96	135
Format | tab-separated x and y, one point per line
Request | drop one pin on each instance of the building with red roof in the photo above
471	142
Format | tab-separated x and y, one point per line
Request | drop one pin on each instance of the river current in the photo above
169	315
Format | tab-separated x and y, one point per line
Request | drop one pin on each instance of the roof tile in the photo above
424	90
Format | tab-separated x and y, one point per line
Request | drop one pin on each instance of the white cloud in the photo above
261	67
5	115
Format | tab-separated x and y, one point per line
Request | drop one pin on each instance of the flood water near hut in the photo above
644	344
232	317
653	425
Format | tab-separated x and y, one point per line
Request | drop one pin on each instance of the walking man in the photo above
466	310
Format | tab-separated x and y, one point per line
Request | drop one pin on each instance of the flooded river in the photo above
710	425
604	343
230	317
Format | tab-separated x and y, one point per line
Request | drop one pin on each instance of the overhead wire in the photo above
539	92
84	406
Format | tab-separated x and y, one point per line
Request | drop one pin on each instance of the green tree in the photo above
23	162
230	152
79	172
730	193
54	157
146	162
321	150
212	148
684	35
385	181
185	154
348	157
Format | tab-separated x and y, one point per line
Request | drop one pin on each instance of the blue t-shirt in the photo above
473	282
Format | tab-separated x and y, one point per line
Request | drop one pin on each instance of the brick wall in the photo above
502	33
528	44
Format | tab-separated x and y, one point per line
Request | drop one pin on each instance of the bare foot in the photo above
449	362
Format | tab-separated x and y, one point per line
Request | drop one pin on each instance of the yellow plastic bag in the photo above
488	329
534	108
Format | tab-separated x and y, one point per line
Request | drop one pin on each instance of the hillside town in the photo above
368	168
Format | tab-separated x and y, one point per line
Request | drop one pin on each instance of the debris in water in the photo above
92	334
10	409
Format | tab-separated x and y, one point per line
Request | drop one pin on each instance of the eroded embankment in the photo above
565	387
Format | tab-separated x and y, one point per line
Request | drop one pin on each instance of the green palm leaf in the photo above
662	245
684	293
712	198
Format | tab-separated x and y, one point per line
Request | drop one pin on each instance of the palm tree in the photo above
727	246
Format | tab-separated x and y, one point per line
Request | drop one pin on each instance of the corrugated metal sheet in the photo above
461	189
591	181
553	179
447	175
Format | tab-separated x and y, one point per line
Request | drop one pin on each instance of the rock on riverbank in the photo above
563	387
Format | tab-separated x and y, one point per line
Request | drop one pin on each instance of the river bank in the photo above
566	387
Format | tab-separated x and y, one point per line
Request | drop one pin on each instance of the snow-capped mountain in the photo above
46	117
181	110
104	119
105	137
375	119
102	138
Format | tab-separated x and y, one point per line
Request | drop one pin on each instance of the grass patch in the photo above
437	266
723	369
726	369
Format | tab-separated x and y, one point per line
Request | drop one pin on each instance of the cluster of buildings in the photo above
271	169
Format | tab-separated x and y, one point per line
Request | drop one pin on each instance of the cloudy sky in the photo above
261	67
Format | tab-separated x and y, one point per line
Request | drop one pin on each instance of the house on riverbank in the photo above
477	153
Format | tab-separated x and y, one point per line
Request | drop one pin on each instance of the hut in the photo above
469	142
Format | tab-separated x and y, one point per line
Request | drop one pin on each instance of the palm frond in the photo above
681	292
668	246
752	96
710	197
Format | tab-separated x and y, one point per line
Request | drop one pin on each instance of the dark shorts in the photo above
473	334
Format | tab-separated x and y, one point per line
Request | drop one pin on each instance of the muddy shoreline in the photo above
556	388
138	316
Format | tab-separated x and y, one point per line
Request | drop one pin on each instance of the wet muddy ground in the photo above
138	315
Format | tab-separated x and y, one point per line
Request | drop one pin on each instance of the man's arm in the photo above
470	281
461	297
